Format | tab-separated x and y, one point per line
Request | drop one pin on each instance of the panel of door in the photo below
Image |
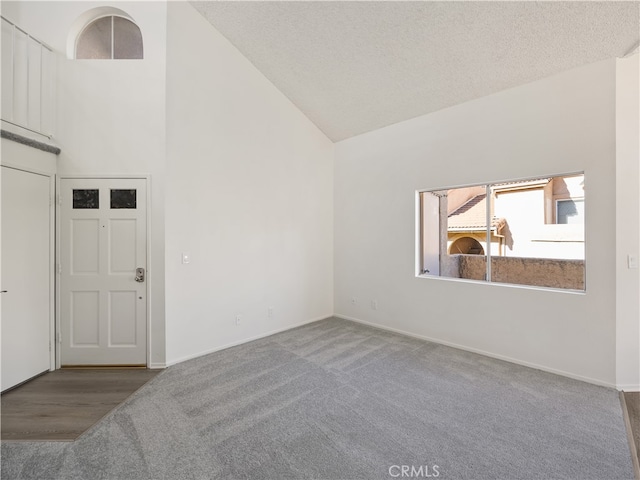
26	275
103	240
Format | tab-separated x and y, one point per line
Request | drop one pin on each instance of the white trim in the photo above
53	277
497	182
481	352
56	263
150	270
426	276
105	176
157	366
246	340
628	387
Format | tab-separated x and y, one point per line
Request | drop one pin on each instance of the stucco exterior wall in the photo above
541	272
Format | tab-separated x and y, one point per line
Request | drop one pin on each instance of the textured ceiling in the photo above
353	67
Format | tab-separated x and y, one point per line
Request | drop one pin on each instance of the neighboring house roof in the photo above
520	185
472	216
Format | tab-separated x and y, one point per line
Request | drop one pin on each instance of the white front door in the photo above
103	259
26	275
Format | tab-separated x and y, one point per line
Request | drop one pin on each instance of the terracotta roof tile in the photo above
471	215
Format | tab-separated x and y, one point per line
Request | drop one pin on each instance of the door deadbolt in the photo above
140	274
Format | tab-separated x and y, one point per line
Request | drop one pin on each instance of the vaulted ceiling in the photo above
355	66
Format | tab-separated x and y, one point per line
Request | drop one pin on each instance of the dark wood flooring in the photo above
632	401
63	404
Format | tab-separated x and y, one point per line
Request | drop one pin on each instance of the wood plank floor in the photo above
63	404
632	401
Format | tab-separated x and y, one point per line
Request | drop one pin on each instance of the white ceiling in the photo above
355	66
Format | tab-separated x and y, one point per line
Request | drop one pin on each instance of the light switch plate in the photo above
632	261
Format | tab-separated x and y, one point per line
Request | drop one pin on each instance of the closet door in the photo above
25	275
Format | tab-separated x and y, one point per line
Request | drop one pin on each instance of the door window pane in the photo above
86	198
123	198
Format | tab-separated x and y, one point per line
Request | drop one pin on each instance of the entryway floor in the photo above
632	404
63	404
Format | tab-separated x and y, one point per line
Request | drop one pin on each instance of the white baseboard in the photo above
156	366
245	340
629	387
482	352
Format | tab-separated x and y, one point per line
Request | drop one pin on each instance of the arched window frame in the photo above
88	18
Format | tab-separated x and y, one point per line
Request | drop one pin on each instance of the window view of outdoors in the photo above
532	231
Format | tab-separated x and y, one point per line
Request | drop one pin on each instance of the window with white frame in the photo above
110	37
523	232
570	211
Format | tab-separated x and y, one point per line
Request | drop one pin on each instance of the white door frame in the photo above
149	270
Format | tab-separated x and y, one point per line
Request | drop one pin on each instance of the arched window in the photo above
107	34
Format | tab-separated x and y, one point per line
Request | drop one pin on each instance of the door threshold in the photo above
102	367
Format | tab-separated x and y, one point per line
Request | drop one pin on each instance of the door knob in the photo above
140	274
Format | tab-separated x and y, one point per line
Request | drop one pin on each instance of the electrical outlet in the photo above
238	319
270	312
353	300
374	304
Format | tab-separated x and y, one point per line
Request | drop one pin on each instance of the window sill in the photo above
505	285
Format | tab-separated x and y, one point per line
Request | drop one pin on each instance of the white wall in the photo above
565	123
111	116
627	231
249	196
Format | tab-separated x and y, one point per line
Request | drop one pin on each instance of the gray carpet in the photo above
337	400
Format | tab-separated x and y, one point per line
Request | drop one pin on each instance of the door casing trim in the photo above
149	272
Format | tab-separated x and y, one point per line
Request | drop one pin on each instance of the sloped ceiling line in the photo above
353	66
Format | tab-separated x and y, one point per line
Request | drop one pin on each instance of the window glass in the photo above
127	39
110	37
123	198
86	198
570	211
526	232
95	40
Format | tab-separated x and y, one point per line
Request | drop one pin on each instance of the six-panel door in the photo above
102	296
